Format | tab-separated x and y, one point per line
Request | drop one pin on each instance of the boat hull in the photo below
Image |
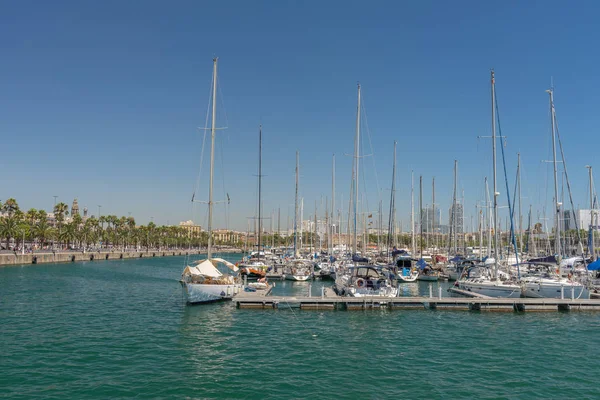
197	293
428	278
297	278
492	289
364	292
408	278
553	291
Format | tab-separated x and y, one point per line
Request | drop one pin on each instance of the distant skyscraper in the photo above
456	222
431	224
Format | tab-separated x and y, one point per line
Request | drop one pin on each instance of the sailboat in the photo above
489	280
361	280
203	282
254	267
297	269
550	282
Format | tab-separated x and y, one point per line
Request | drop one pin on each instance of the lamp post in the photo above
23	248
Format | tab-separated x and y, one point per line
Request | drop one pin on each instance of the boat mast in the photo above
356	169
296	207
453	225
212	157
391	232
259	186
520	211
332	203
592	227
433	213
421	213
495	210
557	203
412	211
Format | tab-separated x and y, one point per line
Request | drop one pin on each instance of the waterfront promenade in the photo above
47	256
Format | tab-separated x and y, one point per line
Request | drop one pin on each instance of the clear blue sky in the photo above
102	100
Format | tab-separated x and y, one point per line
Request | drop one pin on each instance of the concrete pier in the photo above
402	303
66	257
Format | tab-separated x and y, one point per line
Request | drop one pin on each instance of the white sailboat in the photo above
203	282
490	281
550	283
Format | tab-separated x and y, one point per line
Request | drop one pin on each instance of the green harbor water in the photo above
120	329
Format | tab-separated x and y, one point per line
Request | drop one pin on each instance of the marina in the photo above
292	200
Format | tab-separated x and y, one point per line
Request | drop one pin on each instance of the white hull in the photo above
201	293
492	289
297	278
364	292
429	278
408	278
552	290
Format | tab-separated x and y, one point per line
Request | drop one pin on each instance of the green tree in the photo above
9	227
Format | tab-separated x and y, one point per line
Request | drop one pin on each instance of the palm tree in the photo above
68	234
10	207
42	230
60	211
9	228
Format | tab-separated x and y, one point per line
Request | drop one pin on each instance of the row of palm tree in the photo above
108	231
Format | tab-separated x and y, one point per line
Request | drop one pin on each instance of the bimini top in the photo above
208	268
595	266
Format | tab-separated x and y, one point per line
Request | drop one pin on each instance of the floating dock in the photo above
330	301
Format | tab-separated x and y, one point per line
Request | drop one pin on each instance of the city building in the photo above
431	219
584	219
456	221
191	227
74	208
225	236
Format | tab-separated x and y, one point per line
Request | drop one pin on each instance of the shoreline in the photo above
10	259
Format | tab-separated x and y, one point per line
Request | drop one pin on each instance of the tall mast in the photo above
296	207
392	204
592	226
480	218
412	211
520	211
356	169
488	218
495	193
332	202
433	211
557	203
259	186
453	224
212	157
421	213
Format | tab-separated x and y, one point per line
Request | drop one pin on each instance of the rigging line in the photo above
222	101
223	183
371	146
562	154
512	229
204	137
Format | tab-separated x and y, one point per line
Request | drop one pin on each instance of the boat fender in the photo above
360	282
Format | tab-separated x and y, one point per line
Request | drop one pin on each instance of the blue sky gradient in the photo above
102	100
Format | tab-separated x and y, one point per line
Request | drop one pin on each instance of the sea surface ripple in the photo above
120	329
